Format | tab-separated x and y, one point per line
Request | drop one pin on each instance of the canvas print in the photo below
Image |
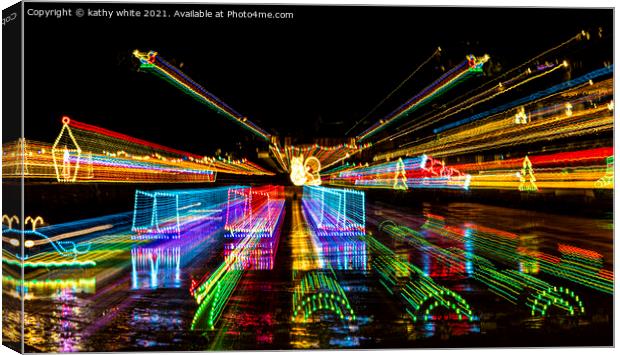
200	177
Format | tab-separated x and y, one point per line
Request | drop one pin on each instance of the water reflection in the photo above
155	267
321	311
426	278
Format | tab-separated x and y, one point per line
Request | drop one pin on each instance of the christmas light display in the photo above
81	149
607	180
306	252
536	96
581	169
462	103
503	247
457	74
467	205
327	248
341	252
157	264
497	128
305	172
72	254
402	174
267	226
317	292
253	211
299	161
87	153
67	249
82	243
526	176
418	292
152	62
214	292
335	211
261	257
165	213
517	287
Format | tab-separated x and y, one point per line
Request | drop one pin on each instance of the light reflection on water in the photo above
141	298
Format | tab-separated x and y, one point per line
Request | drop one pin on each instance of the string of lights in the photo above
464	70
418	292
402	174
515	286
154	63
334	211
504	248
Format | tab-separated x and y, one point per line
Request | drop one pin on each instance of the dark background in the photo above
314	75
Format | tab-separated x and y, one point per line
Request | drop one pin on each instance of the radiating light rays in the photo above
441	85
261	257
497	86
342	252
576	83
101	249
435	54
546	120
606	180
68	249
27	158
82	243
213	294
257	212
289	157
318	297
158	263
329	237
335	211
113	156
152	62
402	174
498	130
487	95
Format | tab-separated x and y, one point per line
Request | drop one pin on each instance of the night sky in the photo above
312	76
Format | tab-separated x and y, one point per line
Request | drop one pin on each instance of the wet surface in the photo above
305	291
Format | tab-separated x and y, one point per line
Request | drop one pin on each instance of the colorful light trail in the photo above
335	211
466	69
213	291
504	248
498	128
402	174
165	213
253	211
87	153
154	63
421	296
514	286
